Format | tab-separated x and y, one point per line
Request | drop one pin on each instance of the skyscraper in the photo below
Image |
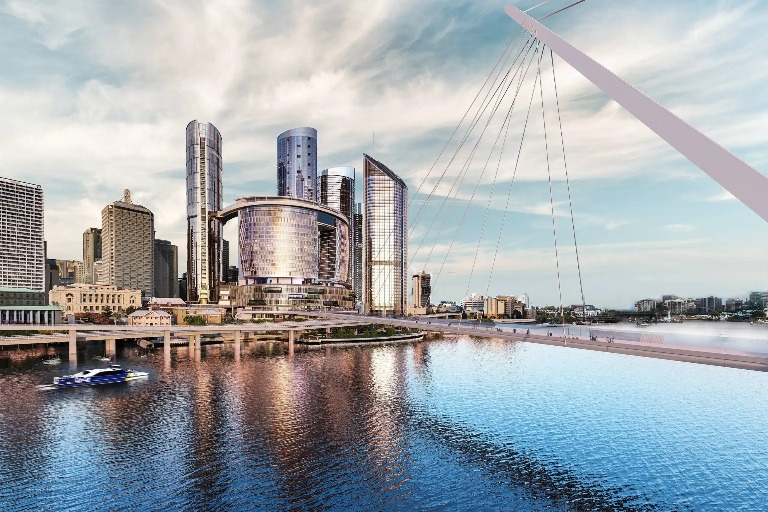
128	245
166	269
297	163
357	254
22	251
91	252
385	239
225	261
204	196
336	190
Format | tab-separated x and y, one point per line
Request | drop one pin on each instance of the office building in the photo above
385	240
225	260
70	271
91	252
128	245
166	273
297	163
422	290
474	304
204	197
22	251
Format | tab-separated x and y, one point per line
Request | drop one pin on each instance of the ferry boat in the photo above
94	376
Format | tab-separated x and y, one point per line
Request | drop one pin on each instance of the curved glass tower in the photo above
336	190
297	163
204	197
385	239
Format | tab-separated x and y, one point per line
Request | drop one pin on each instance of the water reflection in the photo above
454	424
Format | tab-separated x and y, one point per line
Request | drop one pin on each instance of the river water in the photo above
453	424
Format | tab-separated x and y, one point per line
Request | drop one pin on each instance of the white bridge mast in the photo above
739	178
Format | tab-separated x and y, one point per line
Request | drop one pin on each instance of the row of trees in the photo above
104	317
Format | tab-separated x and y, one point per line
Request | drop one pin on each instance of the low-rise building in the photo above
147	317
87	298
10	296
645	306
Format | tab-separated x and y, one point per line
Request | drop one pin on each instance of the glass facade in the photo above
278	241
336	189
290	241
385	239
204	197
297	163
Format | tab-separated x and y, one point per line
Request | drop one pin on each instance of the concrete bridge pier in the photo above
73	345
291	337
110	348
237	345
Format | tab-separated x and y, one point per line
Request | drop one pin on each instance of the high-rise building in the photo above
91	251
297	163
336	190
225	261
422	289
385	239
166	269
22	251
204	196
128	245
357	254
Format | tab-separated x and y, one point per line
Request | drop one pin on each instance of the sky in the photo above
95	97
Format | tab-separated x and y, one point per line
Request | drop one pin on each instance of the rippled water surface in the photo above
445	425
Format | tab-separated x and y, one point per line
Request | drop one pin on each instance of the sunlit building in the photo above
204	197
128	245
385	240
22	251
297	163
294	253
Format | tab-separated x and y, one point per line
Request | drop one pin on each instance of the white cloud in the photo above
105	107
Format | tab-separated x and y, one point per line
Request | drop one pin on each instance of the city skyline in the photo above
649	223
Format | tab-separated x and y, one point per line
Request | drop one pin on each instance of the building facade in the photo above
336	190
94	298
22	250
128	245
357	254
91	252
293	253
204	197
422	289
144	317
166	273
385	240
297	163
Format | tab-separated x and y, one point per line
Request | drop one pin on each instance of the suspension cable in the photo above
568	185
509	192
551	200
453	240
462	174
507	122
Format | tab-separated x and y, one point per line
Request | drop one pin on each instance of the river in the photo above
452	424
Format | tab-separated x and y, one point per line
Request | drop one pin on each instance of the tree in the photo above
129	310
194	320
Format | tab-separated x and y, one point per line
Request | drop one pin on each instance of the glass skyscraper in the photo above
204	197
385	240
336	190
297	163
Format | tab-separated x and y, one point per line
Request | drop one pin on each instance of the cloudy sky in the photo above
95	97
